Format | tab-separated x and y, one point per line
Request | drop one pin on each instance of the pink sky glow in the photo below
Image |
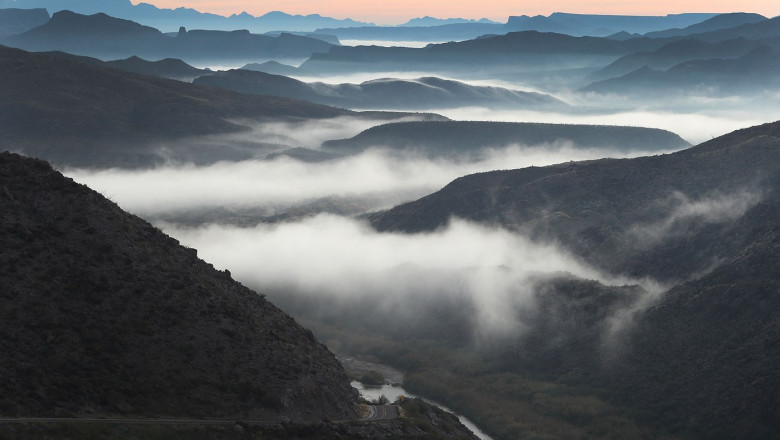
399	11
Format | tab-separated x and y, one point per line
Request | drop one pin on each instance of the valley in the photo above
559	225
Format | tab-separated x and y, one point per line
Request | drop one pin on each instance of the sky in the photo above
399	11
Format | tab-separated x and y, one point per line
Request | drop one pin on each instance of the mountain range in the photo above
518	51
755	73
107	37
78	114
386	93
169	20
571	24
532	51
680	51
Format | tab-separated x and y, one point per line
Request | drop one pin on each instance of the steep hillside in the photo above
657	216
465	138
104	314
706	356
700	360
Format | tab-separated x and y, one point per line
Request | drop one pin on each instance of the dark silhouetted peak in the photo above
67	21
109	315
15	21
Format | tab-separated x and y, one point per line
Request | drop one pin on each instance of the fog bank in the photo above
330	260
377	178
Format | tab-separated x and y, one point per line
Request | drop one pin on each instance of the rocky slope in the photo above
658	216
103	314
698	361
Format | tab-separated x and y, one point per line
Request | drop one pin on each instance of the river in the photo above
393	392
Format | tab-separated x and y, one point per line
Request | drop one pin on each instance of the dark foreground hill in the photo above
104	314
466	138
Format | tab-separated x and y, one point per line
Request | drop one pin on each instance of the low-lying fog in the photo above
376	178
330	259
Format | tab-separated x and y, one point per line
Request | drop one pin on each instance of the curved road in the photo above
381	412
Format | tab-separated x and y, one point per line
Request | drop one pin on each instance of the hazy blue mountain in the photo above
516	51
432	21
276	68
115	118
15	21
106	37
427	29
603	25
468	139
95	35
752	31
332	39
168	68
436	33
757	72
722	21
387	93
169	20
677	52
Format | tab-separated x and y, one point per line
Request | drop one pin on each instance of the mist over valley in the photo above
560	226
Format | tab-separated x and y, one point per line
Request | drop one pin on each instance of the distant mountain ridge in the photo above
15	21
722	21
529	49
107	37
678	51
755	73
577	25
170	20
385	93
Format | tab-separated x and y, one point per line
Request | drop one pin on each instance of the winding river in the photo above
393	392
